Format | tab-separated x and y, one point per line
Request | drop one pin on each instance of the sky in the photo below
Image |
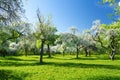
67	13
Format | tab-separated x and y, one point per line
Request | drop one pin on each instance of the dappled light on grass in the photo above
59	68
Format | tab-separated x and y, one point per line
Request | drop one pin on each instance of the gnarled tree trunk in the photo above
49	54
112	46
42	51
112	55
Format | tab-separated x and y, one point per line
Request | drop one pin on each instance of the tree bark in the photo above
26	49
34	51
112	55
3	52
77	53
112	46
64	51
48	46
42	51
89	53
26	53
86	52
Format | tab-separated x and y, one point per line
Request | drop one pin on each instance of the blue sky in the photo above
67	13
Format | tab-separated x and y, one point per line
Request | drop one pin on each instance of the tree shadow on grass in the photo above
61	64
81	65
105	77
88	58
10	75
85	58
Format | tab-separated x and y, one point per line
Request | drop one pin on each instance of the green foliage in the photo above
114	25
38	44
12	10
16	34
116	9
109	1
45	27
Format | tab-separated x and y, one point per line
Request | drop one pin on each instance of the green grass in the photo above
59	68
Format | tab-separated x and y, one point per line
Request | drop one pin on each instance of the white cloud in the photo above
118	3
106	0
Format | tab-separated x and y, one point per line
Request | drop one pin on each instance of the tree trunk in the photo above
86	52
77	53
64	51
34	52
26	50
112	55
48	46
89	53
42	51
112	45
26	53
3	53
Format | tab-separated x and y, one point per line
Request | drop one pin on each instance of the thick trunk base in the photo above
112	55
42	51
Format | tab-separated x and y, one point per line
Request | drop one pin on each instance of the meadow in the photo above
96	67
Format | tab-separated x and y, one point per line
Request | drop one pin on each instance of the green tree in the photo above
10	10
64	40
87	42
116	8
51	39
27	38
46	30
107	36
8	33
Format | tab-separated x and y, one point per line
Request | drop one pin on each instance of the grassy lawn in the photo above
59	68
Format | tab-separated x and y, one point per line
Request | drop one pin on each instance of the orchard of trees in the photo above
18	37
